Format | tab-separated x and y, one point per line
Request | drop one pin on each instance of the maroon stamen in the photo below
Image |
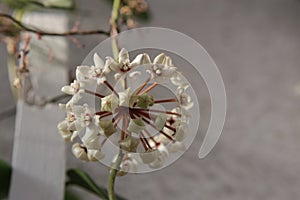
111	88
149	88
93	93
161	131
165	101
150	136
145	139
143	142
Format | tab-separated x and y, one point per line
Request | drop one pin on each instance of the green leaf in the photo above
71	195
60	4
5	175
145	16
82	179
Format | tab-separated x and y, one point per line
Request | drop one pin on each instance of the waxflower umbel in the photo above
130	114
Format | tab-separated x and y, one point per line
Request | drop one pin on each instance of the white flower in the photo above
180	134
175	120
162	67
85	116
75	89
160	158
124	97
67	127
109	103
185	101
80	152
64	131
124	65
178	79
95	155
134	75
91	139
96	72
130	163
174	147
149	156
131	108
181	131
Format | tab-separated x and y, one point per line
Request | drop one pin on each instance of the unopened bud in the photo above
80	152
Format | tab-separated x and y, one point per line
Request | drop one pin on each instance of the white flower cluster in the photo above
132	107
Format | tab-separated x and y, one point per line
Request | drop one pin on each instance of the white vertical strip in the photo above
39	151
39	154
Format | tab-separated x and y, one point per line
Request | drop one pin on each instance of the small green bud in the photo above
136	125
160	121
145	100
149	156
129	144
109	103
108	127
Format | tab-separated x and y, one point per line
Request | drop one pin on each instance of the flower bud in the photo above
131	23
65	133
145	100
149	156
108	103
108	127
80	152
176	147
95	155
160	121
125	11
129	144
136	125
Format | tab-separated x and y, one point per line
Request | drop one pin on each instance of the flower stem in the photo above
94	93
114	27
142	87
162	132
111	88
149	88
112	176
165	101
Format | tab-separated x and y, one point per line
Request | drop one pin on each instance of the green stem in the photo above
112	176
114	26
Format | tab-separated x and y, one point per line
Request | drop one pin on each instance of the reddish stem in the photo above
166	135
149	116
150	136
159	111
149	88
165	101
93	93
111	88
142	87
145	140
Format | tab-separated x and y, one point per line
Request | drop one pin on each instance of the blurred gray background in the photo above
256	45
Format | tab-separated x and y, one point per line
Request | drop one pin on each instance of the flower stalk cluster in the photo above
129	114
